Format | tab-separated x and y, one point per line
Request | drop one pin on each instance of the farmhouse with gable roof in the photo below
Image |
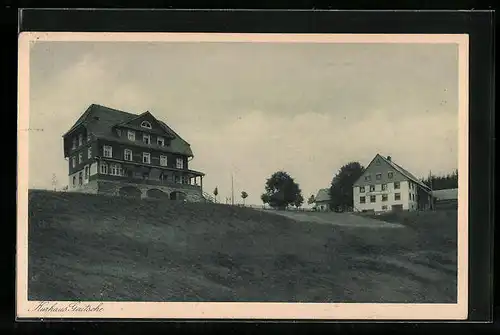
322	200
119	153
386	186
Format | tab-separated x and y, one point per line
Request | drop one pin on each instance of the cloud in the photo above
58	103
250	110
312	147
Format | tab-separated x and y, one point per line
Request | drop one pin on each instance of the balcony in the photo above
141	181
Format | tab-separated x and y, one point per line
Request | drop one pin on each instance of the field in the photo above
97	248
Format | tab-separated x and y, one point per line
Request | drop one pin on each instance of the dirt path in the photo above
338	219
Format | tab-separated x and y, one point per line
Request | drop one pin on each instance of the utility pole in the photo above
232	190
54	181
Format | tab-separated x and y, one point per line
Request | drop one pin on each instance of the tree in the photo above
436	182
281	191
244	195
311	200
342	183
216	192
298	201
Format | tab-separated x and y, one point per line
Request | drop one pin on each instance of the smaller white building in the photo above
322	200
447	198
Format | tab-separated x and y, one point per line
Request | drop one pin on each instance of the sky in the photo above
251	109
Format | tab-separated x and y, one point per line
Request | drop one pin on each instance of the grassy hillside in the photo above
90	247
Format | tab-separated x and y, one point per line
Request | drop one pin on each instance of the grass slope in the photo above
89	247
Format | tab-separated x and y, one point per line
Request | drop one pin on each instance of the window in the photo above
127	154
384	197
87	172
372	188
160	141
115	170
373	198
390	175
163	160
146	157
74	180
80	178
74	144
104	168
362	200
73	161
362	189
396	185
119	132
378	176
397	196
80	139
177	179
146	139
378	162
146	124
80	158
384	187
184	180
131	135
179	163
368	178
89	153
107	151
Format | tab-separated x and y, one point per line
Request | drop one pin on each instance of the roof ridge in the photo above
405	172
115	110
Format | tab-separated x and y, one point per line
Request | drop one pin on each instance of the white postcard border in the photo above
184	310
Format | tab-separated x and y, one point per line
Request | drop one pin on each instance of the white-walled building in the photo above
322	200
386	186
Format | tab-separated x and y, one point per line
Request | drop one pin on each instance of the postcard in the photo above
242	176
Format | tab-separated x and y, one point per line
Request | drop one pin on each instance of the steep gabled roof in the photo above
399	169
101	120
166	130
446	194
323	195
405	172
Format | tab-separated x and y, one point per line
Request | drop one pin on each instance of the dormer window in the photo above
74	144
160	141
146	124
80	139
131	135
146	139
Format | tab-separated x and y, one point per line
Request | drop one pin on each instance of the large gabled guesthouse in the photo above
386	186
118	153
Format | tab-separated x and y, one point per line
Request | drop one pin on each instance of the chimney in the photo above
389	158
